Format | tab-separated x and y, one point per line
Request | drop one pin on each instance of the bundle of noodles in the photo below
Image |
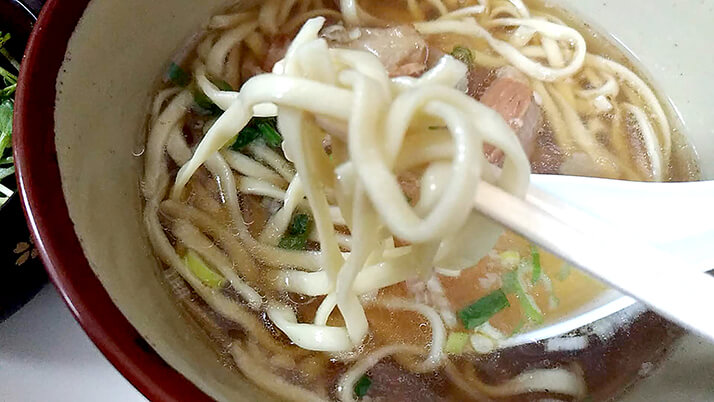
386	165
352	88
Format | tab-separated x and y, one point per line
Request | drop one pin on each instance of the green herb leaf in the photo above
5	172
199	268
297	233
362	386
5	126
483	309
535	256
178	75
6	107
4	38
300	224
463	54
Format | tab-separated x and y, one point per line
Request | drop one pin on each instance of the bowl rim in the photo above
40	189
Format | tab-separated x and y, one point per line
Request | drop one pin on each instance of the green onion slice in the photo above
483	309
199	268
463	54
513	284
362	386
258	127
178	75
535	256
456	342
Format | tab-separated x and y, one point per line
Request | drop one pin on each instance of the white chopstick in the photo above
666	284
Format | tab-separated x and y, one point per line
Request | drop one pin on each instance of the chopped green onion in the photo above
204	103
437	127
519	327
178	75
512	284
199	268
535	256
222	85
510	258
297	233
564	272
6	108
456	342
362	386
270	133
258	127
483	309
245	137
464	55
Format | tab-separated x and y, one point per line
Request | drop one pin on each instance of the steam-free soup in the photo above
309	174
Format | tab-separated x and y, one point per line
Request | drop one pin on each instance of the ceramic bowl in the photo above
86	85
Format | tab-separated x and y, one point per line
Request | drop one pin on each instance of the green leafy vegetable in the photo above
6	108
463	54
535	256
8	84
512	284
362	386
259	127
483	309
178	75
199	268
456	342
297	233
4	52
5	172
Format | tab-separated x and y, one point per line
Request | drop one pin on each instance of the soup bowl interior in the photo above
114	60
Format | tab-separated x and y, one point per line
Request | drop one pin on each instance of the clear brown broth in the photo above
608	364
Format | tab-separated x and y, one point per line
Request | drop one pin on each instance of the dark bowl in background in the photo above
22	272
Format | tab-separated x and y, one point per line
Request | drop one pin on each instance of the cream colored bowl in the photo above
117	53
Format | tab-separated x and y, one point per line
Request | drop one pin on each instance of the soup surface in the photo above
308	174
